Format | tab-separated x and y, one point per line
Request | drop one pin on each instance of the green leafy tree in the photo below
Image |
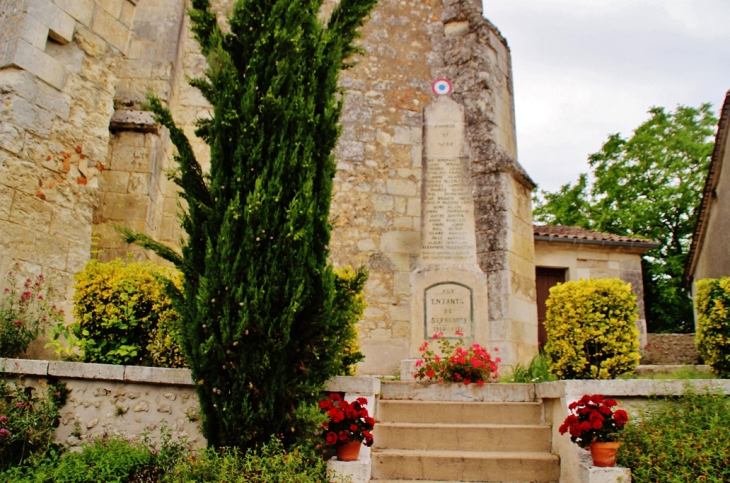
647	186
260	329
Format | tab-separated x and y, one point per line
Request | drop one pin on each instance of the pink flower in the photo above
459	333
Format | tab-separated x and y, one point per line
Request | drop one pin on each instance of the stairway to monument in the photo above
453	441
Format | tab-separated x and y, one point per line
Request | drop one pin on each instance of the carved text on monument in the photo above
448	309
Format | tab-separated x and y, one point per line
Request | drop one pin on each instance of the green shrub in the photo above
111	459
124	315
269	464
537	371
28	420
349	305
591	329
713	324
679	440
24	313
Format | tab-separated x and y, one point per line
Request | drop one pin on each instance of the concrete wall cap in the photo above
24	366
81	370
574	389
158	375
354	385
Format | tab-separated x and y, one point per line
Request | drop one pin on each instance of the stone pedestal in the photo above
449	290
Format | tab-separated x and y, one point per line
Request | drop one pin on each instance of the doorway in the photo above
545	278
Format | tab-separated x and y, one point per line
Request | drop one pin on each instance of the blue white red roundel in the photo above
442	87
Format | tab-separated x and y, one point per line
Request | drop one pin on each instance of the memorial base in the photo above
446	300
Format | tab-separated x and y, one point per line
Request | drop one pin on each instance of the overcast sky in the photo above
586	68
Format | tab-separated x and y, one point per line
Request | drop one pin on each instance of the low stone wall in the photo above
132	400
631	394
107	399
670	349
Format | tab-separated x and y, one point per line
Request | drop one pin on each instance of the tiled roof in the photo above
576	234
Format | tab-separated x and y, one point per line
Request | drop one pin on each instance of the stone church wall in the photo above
376	208
57	85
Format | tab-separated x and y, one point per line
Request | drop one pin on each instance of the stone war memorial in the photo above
428	194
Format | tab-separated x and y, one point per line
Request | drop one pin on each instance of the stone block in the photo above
113	7
158	375
111	29
382	203
401	187
433	391
58	104
361	385
18	81
16	240
138	121
89	42
51	251
39	63
400	312
24	114
84	370
130	157
401	242
81	10
139	183
34	32
78	256
26	367
60	24
403	222
594	474
6	195
114	181
11	138
71	225
127	207
31	212
127	15
349	471
413	207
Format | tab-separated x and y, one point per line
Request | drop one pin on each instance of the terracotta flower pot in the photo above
349	451
604	454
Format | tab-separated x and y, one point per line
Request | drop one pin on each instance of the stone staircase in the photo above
457	441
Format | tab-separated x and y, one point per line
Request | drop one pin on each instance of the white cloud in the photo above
587	68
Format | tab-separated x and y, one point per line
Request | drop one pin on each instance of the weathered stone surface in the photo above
86	371
60	24
157	375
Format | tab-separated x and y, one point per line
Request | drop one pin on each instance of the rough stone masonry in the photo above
77	153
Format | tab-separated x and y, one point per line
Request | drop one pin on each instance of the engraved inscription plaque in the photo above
448	308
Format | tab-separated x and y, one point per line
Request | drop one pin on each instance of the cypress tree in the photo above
260	329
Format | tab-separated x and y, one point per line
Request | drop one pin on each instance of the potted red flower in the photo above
349	426
594	424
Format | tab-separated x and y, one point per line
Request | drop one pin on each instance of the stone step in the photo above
433	391
454	412
463	437
463	466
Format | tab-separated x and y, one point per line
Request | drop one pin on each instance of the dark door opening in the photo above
545	278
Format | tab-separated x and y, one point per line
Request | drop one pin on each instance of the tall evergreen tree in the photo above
260	332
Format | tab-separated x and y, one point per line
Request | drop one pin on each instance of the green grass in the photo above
680	439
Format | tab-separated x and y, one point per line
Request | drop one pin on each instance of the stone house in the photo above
709	256
565	253
78	152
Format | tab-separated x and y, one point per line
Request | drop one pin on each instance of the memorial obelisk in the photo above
449	289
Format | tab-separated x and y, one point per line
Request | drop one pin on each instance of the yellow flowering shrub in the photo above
713	324
349	304
124	316
591	331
